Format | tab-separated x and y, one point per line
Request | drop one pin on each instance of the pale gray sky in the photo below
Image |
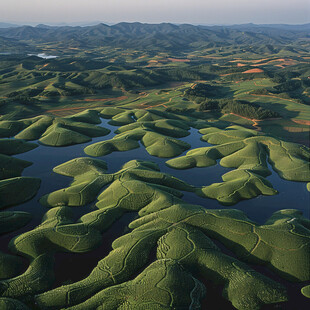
155	11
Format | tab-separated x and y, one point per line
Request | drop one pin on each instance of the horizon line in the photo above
94	23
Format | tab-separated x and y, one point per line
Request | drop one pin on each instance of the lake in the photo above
44	158
43	55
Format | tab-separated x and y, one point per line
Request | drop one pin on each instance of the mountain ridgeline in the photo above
163	36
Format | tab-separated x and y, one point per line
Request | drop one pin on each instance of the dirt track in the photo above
158	105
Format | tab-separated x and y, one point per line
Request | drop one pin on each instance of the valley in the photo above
171	175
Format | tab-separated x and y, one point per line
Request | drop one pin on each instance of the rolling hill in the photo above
163	36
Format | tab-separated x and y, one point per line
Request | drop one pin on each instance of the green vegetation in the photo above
293	85
137	182
10	170
282	239
155	144
193	249
238	148
244	149
162	285
12	304
247	109
238	185
245	88
242	39
26	187
163	213
75	129
306	291
11	266
12	147
11	167
13	190
156	133
200	92
239	107
11	221
39	245
248	152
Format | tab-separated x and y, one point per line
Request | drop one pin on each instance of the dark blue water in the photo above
291	195
44	158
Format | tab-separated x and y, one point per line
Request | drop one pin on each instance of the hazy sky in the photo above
154	11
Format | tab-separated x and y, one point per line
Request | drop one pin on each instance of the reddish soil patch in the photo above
236	60
289	62
258	60
178	60
283	62
143	94
301	121
256	70
249	61
286	62
240	64
44	66
153	65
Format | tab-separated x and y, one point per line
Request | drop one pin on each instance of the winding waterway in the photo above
291	195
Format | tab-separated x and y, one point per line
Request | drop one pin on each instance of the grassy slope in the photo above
214	60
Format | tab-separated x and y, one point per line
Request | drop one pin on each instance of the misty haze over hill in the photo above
158	36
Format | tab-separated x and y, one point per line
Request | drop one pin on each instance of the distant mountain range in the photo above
8	25
158	36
